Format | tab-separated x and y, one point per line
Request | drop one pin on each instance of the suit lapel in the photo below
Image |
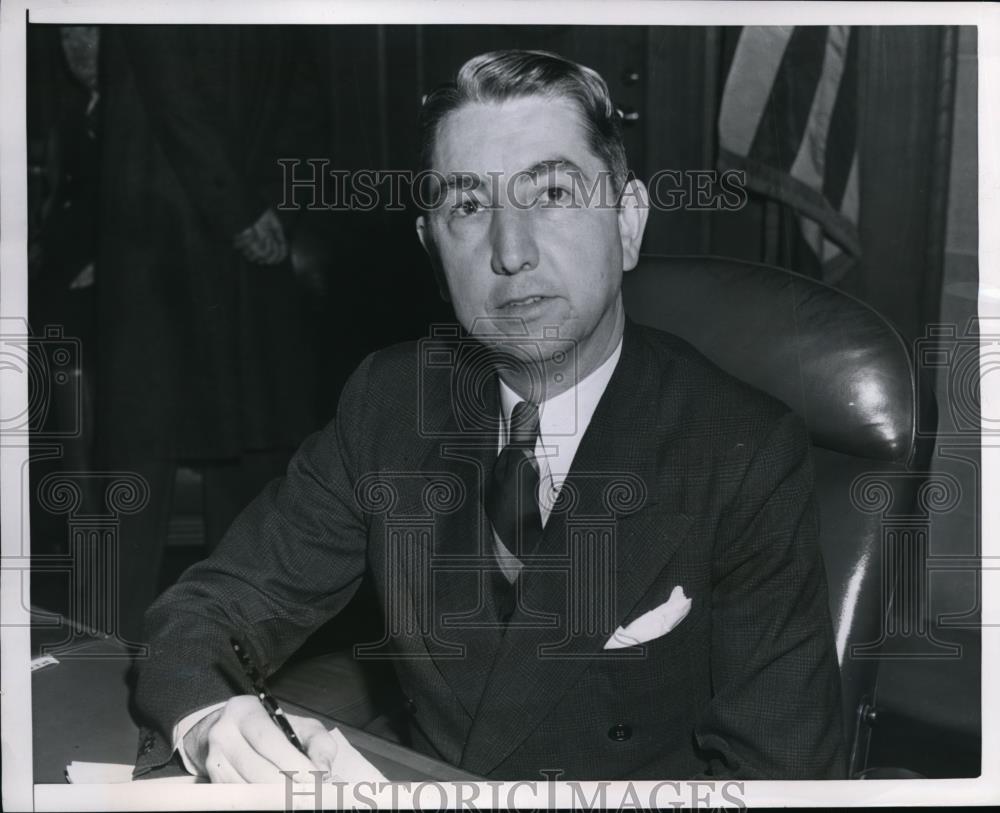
461	633
612	532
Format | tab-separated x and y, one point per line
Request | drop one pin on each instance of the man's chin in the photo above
535	324
526	348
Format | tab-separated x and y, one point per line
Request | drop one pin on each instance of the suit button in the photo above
411	707
619	732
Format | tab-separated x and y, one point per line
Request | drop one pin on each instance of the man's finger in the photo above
270	250
270	743
249	248
251	766
253	256
264	243
219	769
318	742
282	248
272	226
257	248
243	238
277	254
247	255
229	758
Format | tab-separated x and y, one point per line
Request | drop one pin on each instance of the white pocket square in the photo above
655	623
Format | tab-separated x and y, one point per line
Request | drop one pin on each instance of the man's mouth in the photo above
513	304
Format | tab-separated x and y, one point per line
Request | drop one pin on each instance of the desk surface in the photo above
80	712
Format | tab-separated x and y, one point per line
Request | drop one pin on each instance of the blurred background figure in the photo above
206	359
63	181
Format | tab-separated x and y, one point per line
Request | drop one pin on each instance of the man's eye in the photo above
557	195
469	206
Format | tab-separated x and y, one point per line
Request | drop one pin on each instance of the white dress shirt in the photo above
562	420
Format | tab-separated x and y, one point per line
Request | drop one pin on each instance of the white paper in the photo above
348	766
42	661
113	773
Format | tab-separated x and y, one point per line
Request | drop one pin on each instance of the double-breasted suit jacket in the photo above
684	477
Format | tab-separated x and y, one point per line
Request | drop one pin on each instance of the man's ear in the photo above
422	234
427	241
633	209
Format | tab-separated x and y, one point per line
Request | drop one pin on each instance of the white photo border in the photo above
18	790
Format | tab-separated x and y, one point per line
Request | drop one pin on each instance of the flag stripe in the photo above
788	119
786	114
841	150
850	205
748	86
781	186
810	162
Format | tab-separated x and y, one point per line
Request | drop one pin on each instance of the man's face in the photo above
517	240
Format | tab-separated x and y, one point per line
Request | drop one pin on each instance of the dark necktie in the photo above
512	489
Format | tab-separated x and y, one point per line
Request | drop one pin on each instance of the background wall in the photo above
912	697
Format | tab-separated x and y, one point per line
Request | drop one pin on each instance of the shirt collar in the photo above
569	412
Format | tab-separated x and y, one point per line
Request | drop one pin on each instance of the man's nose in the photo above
513	240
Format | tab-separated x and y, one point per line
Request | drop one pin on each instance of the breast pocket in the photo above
646	670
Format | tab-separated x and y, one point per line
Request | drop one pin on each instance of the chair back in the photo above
846	371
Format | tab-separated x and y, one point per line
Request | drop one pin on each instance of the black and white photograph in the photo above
499	406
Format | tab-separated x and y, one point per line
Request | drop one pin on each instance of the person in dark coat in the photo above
204	355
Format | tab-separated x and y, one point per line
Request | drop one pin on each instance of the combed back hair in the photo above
497	76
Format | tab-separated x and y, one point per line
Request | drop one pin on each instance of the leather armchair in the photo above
847	372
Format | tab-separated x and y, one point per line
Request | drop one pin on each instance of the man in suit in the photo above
596	552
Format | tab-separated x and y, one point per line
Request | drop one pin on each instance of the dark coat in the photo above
201	353
684	477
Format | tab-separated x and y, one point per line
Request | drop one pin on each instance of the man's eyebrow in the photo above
550	164
462	180
468	181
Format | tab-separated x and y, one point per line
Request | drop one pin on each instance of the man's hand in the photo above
240	743
263	242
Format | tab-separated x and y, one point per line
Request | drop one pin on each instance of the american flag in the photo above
788	119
